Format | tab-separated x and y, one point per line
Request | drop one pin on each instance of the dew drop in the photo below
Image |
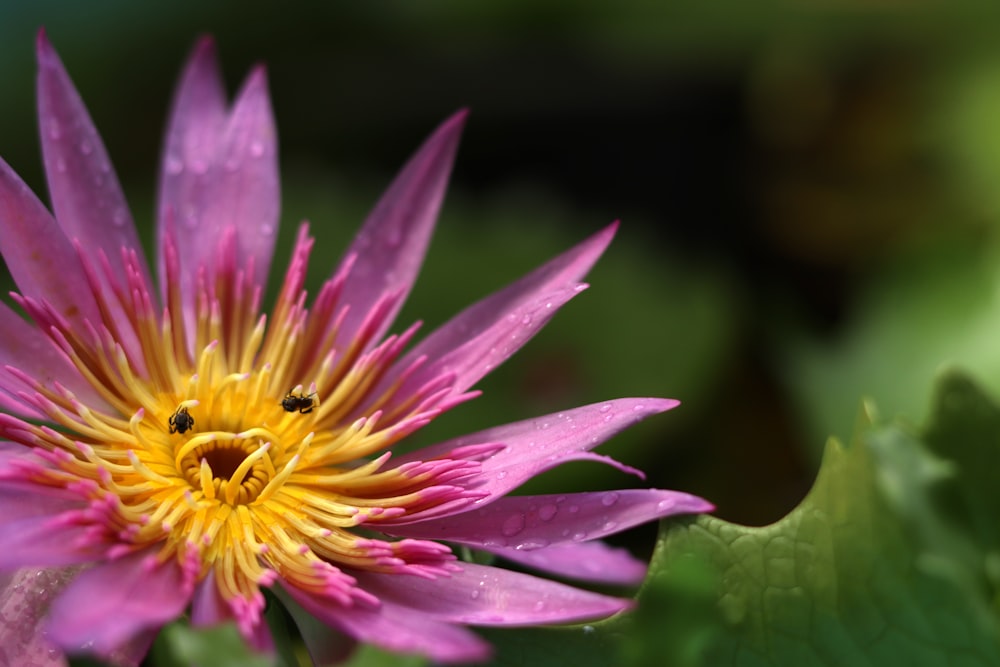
540	605
609	499
501	475
55	131
60	165
86	148
588	629
513	525
526	319
118	217
639	408
609	526
266	229
256	148
573	509
579	537
665	505
605	408
474	594
531	545
546	512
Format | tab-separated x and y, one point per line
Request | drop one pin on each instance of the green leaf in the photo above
222	646
876	566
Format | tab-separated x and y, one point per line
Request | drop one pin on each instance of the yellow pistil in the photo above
200	453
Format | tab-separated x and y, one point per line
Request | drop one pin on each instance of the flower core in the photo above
251	456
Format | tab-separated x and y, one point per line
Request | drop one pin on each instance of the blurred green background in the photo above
808	193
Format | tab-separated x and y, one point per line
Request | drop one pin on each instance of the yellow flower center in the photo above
251	455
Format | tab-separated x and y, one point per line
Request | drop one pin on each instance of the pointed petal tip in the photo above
45	53
451	129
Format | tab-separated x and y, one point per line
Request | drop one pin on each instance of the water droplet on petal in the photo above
573	509
531	545
474	594
609	499
266	229
86	148
118	217
546	512
540	605
513	525
609	526
502	474
55	131
639	408
60	165
526	319
173	165
256	148
605	408
664	505
579	537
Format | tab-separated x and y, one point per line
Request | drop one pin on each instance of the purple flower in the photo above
179	450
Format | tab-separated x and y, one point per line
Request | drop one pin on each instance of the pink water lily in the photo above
177	452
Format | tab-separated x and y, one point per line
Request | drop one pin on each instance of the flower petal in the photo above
34	542
595	562
220	170
396	628
483	595
535	445
485	334
389	249
110	604
24	347
40	258
86	196
534	522
24	597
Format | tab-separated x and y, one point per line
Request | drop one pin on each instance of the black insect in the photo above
181	421
302	402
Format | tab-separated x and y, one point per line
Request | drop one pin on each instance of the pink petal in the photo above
24	500
389	249
24	347
40	258
483	336
482	595
87	199
536	445
220	170
112	603
24	597
525	523
39	542
396	628
594	562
